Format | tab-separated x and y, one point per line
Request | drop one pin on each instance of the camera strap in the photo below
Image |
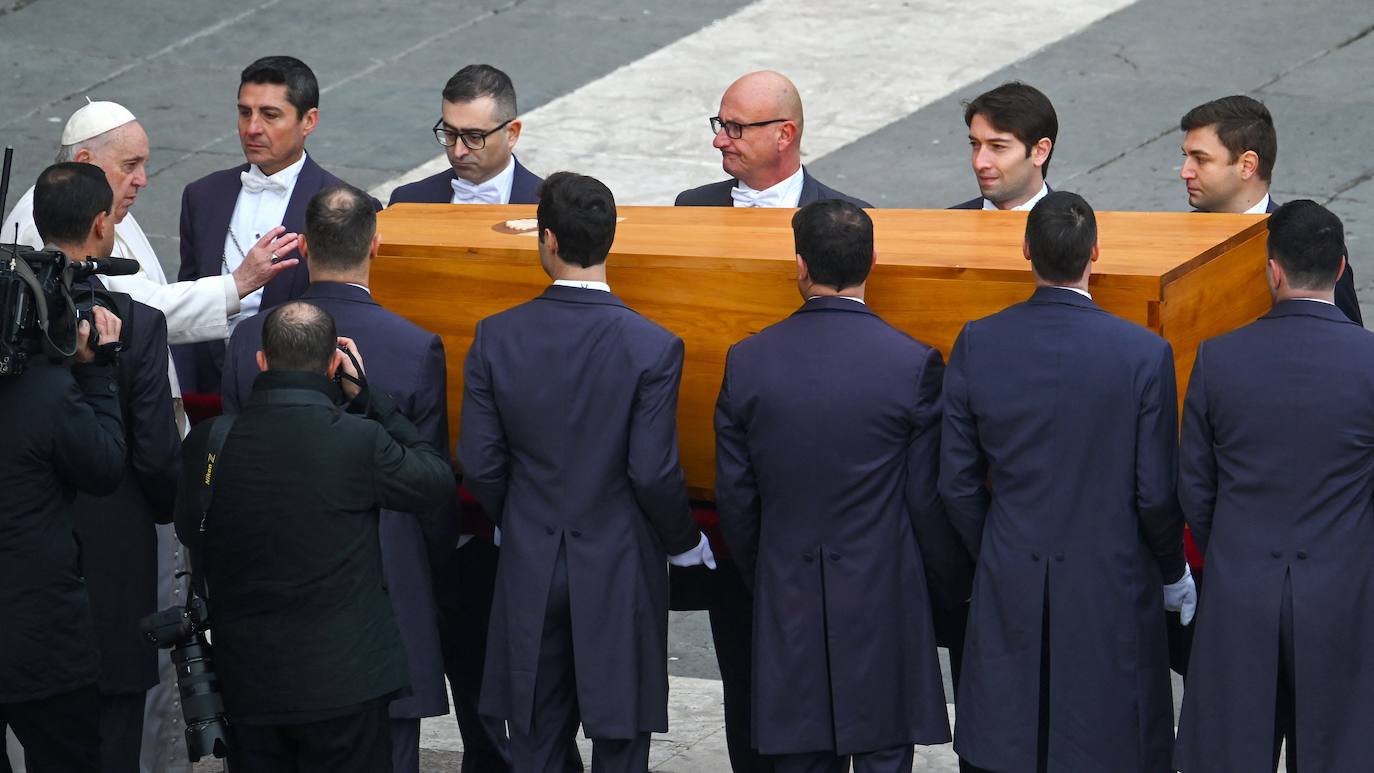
219	430
214	444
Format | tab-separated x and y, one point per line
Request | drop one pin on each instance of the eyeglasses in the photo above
736	130
472	138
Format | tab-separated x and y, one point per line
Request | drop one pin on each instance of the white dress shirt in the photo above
1044	191
255	213
846	297
493	191
1261	207
1078	290
602	286
785	194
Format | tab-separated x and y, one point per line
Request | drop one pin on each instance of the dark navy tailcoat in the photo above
718	194
1277	481
438	188
1058	468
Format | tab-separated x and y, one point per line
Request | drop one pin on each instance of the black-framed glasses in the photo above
736	130
472	138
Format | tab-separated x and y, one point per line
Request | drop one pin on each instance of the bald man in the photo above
758	133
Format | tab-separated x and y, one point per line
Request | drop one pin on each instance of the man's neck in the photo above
1244	200
762	181
360	277
575	273
1024	196
822	291
78	252
272	169
1081	284
1294	294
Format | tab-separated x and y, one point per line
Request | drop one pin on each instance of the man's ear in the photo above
1249	164
303	247
101	226
803	273
1097	252
1025	249
1040	151
513	133
376	245
262	360
310	120
549	239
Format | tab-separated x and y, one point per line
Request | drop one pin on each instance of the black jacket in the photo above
63	434
117	532
303	627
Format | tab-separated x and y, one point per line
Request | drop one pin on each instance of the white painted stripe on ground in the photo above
860	65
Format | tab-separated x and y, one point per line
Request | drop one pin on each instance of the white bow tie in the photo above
482	193
254	181
748	197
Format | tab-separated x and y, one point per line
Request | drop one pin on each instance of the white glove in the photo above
700	555
1181	596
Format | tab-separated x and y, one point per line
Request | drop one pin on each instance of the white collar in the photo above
1026	207
1315	300
1078	290
584	285
360	287
287	177
846	297
1261	207
785	194
493	191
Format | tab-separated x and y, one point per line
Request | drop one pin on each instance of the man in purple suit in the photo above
1229	147
1011	134
225	213
829	502
406	362
479	128
569	441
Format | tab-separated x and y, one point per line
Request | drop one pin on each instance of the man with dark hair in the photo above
758	131
286	539
838	529
74	211
479	128
1229	148
407	363
1011	131
1057	468
1276	480
225	213
569	442
63	437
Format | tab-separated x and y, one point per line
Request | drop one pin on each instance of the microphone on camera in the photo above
112	266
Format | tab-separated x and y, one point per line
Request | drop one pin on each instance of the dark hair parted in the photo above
67	199
299	336
1060	234
483	80
1308	241
1020	109
1242	123
580	211
302	90
835	240
339	226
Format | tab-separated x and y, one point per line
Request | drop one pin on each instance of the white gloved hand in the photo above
700	555
1181	596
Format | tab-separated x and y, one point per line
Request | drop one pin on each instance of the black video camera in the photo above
40	311
182	630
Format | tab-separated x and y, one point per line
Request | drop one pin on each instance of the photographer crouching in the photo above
282	523
63	435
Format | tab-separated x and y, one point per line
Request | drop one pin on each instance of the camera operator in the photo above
63	435
74	210
307	647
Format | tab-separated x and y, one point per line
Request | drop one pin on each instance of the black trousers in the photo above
465	583
121	731
732	628
355	743
60	733
1286	710
554	727
895	760
405	746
